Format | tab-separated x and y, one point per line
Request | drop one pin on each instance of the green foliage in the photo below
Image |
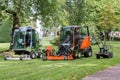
51	12
107	17
5	31
55	13
87	12
54	41
60	12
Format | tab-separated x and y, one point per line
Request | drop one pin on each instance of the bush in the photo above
54	41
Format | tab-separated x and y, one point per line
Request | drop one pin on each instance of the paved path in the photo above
112	73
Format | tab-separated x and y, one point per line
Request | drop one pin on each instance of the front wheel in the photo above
65	57
5	58
78	54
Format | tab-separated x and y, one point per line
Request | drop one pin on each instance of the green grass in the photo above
37	69
4	46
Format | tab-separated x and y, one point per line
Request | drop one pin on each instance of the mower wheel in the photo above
5	58
97	56
88	53
65	57
39	55
110	55
32	55
79	55
21	58
44	57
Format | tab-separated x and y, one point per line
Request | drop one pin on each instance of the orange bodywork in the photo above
85	43
51	57
49	50
59	57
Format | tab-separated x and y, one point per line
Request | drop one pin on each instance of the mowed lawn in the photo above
38	69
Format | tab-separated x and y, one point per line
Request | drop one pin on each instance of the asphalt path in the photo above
112	73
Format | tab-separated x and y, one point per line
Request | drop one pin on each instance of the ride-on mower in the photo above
72	43
25	43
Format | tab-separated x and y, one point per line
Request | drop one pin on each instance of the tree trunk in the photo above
104	44
16	25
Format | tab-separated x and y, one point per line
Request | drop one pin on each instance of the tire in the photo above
97	56
5	58
20	58
110	55
39	55
65	57
88	53
32	55
44	57
79	55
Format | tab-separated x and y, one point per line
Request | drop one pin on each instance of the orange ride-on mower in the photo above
73	42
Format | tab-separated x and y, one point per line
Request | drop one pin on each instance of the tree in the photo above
61	12
75	11
19	11
107	19
15	10
50	12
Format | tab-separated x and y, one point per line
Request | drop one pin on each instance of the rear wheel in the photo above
97	56
32	55
110	55
39	55
88	52
44	57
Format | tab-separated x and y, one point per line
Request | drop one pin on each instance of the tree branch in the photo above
11	12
